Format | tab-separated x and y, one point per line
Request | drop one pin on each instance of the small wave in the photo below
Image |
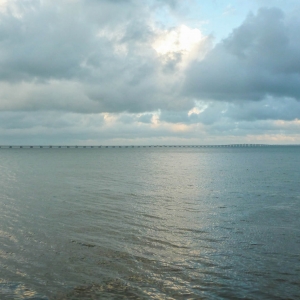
84	244
193	230
15	290
152	216
166	243
113	289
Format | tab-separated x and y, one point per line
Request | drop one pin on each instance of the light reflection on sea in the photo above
150	223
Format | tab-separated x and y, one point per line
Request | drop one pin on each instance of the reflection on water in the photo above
149	223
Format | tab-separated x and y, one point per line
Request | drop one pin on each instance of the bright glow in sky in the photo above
182	39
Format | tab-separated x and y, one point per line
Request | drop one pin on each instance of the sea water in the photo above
150	223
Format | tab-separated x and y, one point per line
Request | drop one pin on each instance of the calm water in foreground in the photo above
150	223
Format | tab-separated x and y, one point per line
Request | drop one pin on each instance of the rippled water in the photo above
150	223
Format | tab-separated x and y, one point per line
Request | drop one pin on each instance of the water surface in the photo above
150	223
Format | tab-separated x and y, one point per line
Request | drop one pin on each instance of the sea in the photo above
150	223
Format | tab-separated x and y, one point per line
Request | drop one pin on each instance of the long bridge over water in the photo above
130	146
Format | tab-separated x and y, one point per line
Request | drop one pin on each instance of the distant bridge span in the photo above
129	146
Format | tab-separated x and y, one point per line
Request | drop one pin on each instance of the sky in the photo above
132	72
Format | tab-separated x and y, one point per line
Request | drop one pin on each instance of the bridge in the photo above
129	146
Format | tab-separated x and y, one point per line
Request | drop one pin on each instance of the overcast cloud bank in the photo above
112	72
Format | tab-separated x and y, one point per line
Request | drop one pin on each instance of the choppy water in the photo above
150	223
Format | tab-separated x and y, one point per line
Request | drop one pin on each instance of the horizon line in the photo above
140	146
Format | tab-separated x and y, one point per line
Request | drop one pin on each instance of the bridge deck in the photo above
128	146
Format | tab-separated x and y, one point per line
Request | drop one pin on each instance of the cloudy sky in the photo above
122	72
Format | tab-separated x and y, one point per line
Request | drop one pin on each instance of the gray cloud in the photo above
171	3
145	118
286	109
102	49
71	128
260	58
51	40
65	64
45	42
